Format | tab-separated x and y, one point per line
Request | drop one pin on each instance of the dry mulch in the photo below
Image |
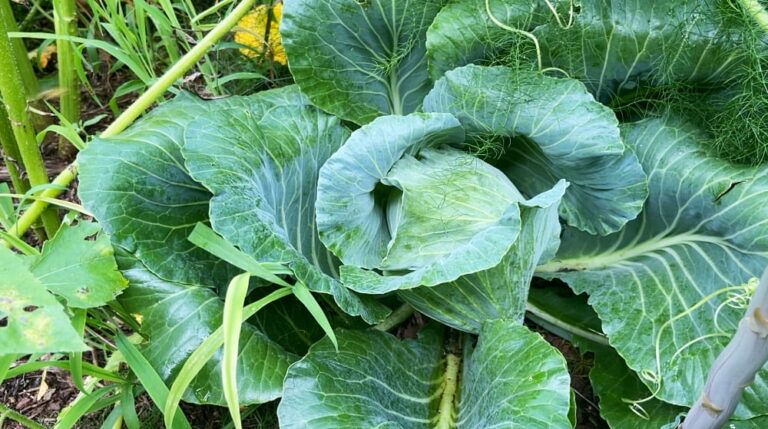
21	395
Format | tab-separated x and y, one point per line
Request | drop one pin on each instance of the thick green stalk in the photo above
400	315
137	108
177	70
15	98
64	12
736	366
11	153
20	52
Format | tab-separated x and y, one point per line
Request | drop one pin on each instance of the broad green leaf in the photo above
359	59
288	323
137	186
501	291
554	129
617	386
667	287
34	321
618	46
81	270
512	378
176	318
462	33
260	157
351	206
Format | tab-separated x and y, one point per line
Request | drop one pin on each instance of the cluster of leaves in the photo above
408	165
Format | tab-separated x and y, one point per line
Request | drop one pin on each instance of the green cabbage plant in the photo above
440	155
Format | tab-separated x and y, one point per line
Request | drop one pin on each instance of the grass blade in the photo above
205	352
206	238
305	296
128	407
5	366
76	359
88	369
13	415
72	414
151	381
233	319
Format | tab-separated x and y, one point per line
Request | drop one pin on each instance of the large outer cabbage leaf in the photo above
462	32
148	203
177	318
359	59
660	285
617	46
499	292
260	157
614	46
563	133
137	187
512	378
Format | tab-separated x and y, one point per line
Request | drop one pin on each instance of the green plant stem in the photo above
14	96
64	12
137	108
758	12
400	315
542	315
178	69
11	153
13	415
20	52
36	209
445	412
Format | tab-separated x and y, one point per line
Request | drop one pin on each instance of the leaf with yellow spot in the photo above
35	321
260	31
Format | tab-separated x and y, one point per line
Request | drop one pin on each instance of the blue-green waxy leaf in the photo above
512	378
501	291
137	187
462	32
555	130
260	157
351	220
666	286
618	46
35	322
177	318
359	59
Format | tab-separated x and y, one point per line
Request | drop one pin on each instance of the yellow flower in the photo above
252	28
